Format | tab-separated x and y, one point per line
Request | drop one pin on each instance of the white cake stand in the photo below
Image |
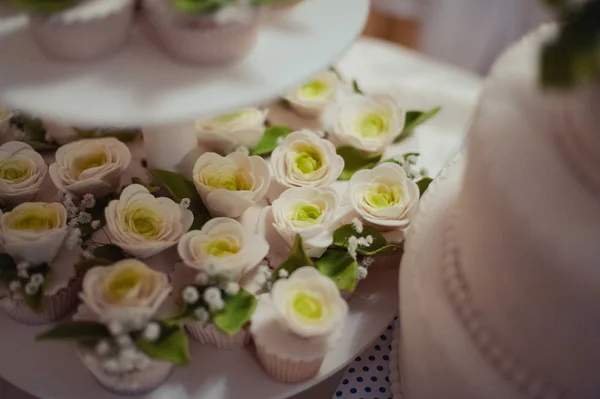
50	370
142	87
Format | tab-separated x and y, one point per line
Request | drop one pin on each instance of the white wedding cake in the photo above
500	283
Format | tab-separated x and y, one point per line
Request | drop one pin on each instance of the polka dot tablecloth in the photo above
367	377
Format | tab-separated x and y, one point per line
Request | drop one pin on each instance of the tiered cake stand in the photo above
142	88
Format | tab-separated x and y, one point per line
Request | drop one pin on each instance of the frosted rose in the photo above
369	124
91	166
308	303
307	211
303	159
230	185
22	171
223	247
124	289
310	99
384	197
144	225
34	231
244	127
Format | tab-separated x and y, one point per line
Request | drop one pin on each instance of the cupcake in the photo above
202	33
80	30
39	282
295	325
216	284
132	350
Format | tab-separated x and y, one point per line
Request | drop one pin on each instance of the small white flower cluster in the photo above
120	355
231	288
32	286
409	164
242	149
362	273
213	298
74	240
354	242
282	273
264	276
357	224
185	203
78	213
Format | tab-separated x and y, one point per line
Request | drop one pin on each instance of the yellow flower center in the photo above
373	125
143	221
309	307
383	196
35	219
14	170
309	161
229	180
89	161
222	247
308	214
230	117
122	282
315	88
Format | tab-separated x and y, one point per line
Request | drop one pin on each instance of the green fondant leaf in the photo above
123	135
342	235
104	255
7	263
414	119
355	160
296	259
237	312
35	302
268	142
76	331
172	346
424	184
41	146
179	188
151	189
43	6
342	268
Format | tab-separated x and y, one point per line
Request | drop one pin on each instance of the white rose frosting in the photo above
22	171
91	166
384	197
302	317
143	225
243	127
230	185
304	159
307	211
34	231
311	98
369	124
124	290
224	247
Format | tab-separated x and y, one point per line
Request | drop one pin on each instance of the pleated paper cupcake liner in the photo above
286	370
209	335
86	38
200	39
131	383
56	306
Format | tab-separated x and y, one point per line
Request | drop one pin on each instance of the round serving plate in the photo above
141	86
51	370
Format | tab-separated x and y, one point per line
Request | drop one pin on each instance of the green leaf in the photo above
172	346
42	6
185	315
123	135
237	312
97	213
355	160
342	268
357	88
104	255
268	142
296	259
424	185
414	119
342	235
179	188
7	262
34	302
76	331
151	189
41	146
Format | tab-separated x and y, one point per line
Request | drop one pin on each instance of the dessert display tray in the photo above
140	86
51	370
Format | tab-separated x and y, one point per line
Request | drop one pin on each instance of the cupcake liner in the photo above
200	39
132	383
286	370
84	35
56	306
207	334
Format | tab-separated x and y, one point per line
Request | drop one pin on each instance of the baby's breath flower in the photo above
23	273
37	279
213	298
368	261
84	217
74	239
15	285
115	327
424	172
282	273
152	332
111	366
23	265
352	246
88	201
232	288
124	340
357	224
185	203
102	348
190	295
202	315
31	289
362	273
202	278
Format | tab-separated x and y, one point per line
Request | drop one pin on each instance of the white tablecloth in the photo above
418	83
